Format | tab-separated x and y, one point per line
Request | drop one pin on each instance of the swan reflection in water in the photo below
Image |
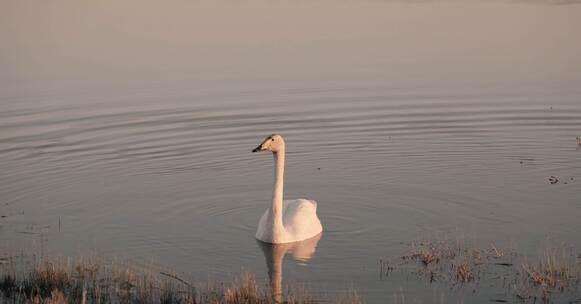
274	254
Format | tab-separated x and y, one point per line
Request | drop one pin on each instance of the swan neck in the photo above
278	191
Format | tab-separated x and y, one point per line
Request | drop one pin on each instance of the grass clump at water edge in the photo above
552	277
94	281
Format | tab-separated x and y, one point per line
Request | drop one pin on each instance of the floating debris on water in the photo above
553	180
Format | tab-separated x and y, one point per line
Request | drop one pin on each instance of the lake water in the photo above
126	129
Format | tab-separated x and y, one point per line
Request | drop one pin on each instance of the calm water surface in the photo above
126	130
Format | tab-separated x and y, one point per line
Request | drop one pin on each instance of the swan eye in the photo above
272	139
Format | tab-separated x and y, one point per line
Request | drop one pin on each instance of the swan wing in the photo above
300	218
264	230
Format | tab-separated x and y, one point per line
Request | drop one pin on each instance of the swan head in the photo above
272	143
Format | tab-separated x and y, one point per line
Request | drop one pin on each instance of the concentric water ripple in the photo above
396	124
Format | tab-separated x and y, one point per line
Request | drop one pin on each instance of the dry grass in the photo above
463	272
56	297
444	260
94	281
428	256
558	269
244	290
555	274
351	297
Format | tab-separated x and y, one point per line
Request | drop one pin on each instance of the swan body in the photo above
300	222
286	220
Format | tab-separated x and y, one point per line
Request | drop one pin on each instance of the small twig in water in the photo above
173	276
498	253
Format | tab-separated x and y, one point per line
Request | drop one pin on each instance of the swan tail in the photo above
314	203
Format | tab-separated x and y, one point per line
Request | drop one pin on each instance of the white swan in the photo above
290	220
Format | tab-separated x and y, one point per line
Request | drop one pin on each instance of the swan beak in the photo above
257	149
